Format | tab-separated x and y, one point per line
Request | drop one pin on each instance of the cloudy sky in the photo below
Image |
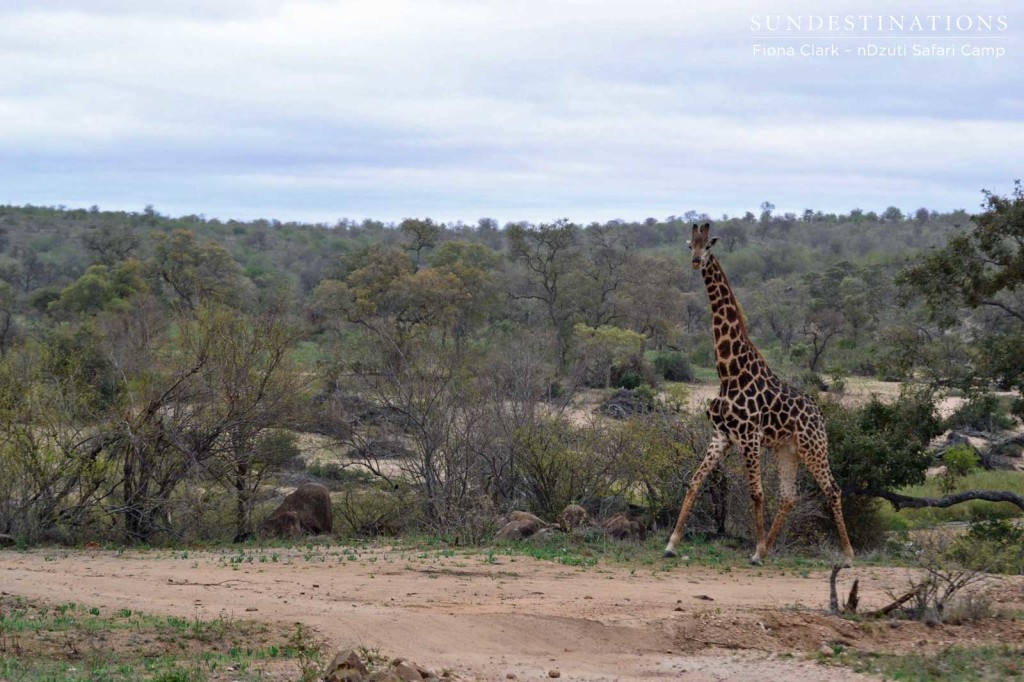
514	109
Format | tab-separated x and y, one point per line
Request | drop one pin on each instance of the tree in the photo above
111	243
733	234
606	346
605	272
983	270
102	288
203	404
8	301
550	253
196	272
422	233
892	215
251	389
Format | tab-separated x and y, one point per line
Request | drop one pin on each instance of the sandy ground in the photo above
487	617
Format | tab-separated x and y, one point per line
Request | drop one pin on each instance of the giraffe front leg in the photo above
716	449
752	461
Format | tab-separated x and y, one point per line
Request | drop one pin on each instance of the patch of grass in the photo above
72	641
955	663
307	354
975	510
589	549
705	375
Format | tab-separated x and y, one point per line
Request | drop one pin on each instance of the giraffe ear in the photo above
695	231
705	229
714	240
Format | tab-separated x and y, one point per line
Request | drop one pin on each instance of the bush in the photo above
994	546
984	412
332	471
673	366
838	377
878	447
677	398
810	382
559	465
379	509
629	381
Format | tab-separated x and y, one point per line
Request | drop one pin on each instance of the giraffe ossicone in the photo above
754	409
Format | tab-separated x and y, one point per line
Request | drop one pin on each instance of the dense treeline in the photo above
152	364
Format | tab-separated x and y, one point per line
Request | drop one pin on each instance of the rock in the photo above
407	672
554	673
520	526
385	676
6	540
574	517
826	651
622	527
306	511
282	524
346	666
624	403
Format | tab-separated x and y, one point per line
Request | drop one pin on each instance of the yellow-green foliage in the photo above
606	346
960	461
676	396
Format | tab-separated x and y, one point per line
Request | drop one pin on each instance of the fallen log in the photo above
900	501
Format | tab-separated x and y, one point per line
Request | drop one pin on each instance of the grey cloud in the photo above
521	110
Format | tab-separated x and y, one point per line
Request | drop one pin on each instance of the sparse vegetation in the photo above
955	663
71	641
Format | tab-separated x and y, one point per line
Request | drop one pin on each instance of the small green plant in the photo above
676	397
960	461
308	651
837	376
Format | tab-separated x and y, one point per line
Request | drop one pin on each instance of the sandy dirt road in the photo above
487	616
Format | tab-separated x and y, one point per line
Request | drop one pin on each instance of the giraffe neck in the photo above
734	351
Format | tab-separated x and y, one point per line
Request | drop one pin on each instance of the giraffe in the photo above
755	410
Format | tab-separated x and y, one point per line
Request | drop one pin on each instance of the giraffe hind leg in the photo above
788	462
816	459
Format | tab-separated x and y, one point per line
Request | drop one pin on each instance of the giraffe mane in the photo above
742	318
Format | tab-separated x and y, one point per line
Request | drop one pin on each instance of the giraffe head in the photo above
700	245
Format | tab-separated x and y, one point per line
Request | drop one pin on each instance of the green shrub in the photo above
558	465
993	546
332	471
984	412
838	378
673	366
960	460
878	447
379	509
629	380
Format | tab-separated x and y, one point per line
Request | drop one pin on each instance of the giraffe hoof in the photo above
668	554
756	561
